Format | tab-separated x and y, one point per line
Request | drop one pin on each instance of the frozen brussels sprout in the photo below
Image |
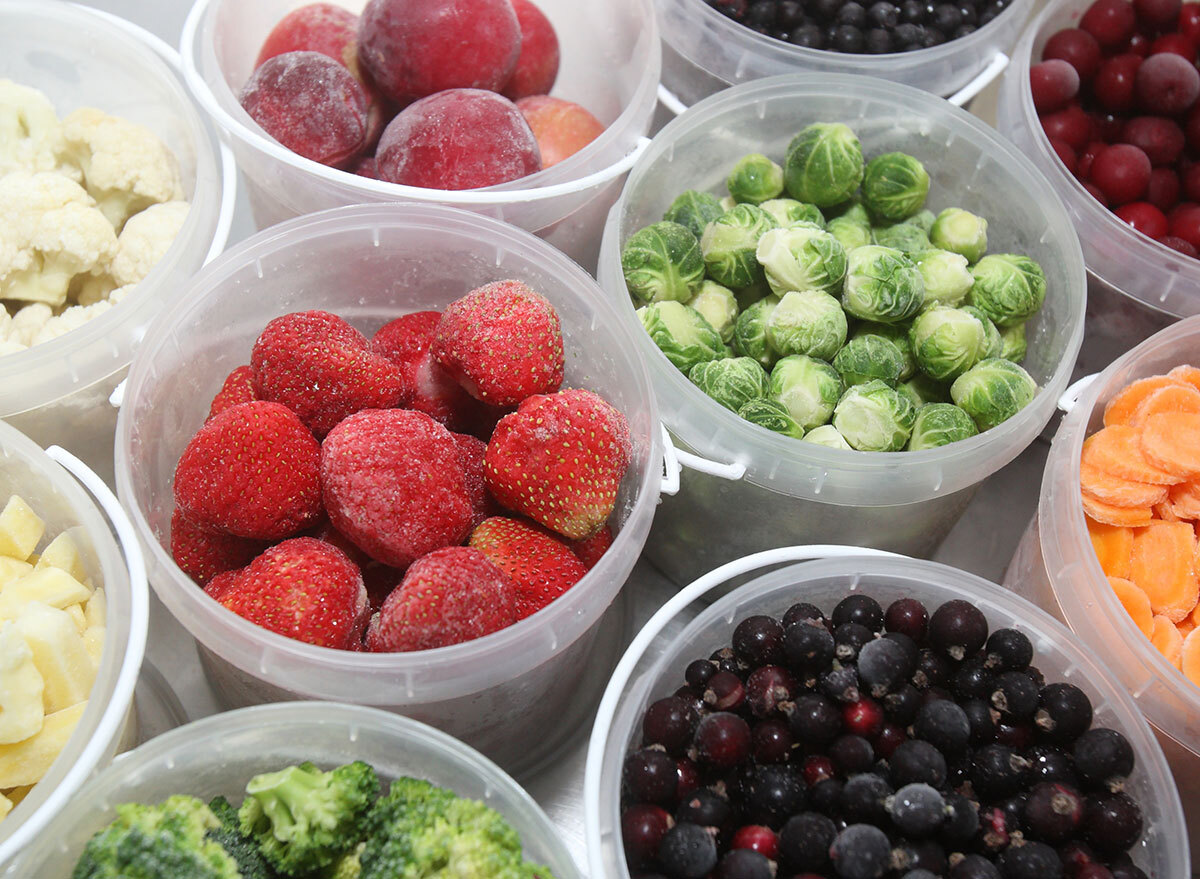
728	203
827	435
921	389
939	424
824	164
694	210
747	296
894	186
923	220
732	382
946	275
750	332
718	306
802	257
882	284
961	232
904	237
946	341
993	344
681	333
807	322
1012	343
755	179
788	211
849	233
853	212
1009	288
993	391
728	245
808	388
897	334
773	416
662	262
867	358
874	417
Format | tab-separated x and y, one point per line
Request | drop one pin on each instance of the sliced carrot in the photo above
1136	603
1172	398
1184	500
1185	627
1186	373
1129	517
1117	491
1163	511
1170	441
1120	408
1118	450
1163	566
1167	639
1189	658
1113	545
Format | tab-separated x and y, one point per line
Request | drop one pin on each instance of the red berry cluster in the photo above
1117	97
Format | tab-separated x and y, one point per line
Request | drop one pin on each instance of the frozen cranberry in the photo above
1175	44
1083	164
1180	245
537	66
1066	155
561	128
1095	192
1167	84
1190	180
1052	83
1072	126
1122	172
1159	138
1114	82
1180	209
1157	13
1188	23
1107	126
1109	21
317	27
1163	189
1078	48
1144	217
1185	224
1138	44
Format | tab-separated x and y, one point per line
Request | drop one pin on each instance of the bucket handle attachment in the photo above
674	460
1071	395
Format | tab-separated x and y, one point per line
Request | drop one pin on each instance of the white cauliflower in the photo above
71	319
120	293
50	231
30	133
27	322
125	167
145	240
91	288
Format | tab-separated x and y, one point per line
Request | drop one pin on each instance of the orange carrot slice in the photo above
1186	627
1163	566
1189	657
1184	500
1136	603
1170	441
1167	639
1163	511
1120	409
1172	398
1186	373
1129	517
1114	547
1118	450
1117	491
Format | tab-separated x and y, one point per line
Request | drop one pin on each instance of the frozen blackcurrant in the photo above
758	640
1008	650
798	613
858	608
917	810
771	794
1102	757
891	737
1053	812
905	615
1112	822
825	795
707	808
902	704
670	722
862	718
851	754
650	776
864	798
814	720
983	724
808	647
725	692
689	777
1033	860
998	771
973	680
1051	763
687	851
742	863
1064	712
962	820
816	768
933	669
861	851
771	741
642	829
850	638
883	664
944	725
958	629
721	740
840	683
804	841
975	867
917	761
1015	696
766	687
699	673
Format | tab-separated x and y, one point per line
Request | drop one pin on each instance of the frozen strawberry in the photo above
303	588
221	585
380	579
393	485
203	554
537	67
562	128
407	338
470	457
502	342
252	471
590	549
540	566
447	597
238	388
322	369
559	460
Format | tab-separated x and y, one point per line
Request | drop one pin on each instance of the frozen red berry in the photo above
1180	245
252	471
1122	172
502	342
1184	223
219	586
537	66
1053	83
1083	163
303	588
1157	13
1095	192
470	457
1111	22
590	549
1163	189
559	460
380	579
1188	23
1078	48
562	128
1065	154
1144	217
406	338
447	597
1176	44
1161	139
1167	84
1072	126
393	485
541	567
203	554
322	369
1114	82
458	139
237	388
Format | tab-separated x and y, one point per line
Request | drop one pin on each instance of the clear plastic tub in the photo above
788	491
1056	567
47	480
610	65
1136	286
654	665
219	754
58	391
371	264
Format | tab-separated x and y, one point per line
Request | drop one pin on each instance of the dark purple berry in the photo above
878	41
804	842
1052	812
944	725
706	808
687	851
891	737
798	613
983	724
998	771
1015	696
807	36
642	829
771	741
1017	734
742	863
1102	757
862	718
933	669
962	820
973	680
689	777
758	640
858	608
825	795
917	810
808	647
814	720
816	768
902	704
727	661
1033	860
958	629
722	740
699	673
917	761
925	855
1076	855
995	830
864	799
852	13
860	852
887	15
766	687
1112	822
975	867
851	754
883	664
849	639
772	793
670	722
1008	650
1035	675
840	684
650	776
1064	713
725	692
905	615
1051	764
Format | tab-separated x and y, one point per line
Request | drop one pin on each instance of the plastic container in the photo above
371	264
219	754
1136	286
1056	567
654	666
47	481
610	65
58	391
789	491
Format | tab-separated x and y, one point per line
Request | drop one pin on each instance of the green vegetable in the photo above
961	232
681	333
807	322
947	341
992	391
1009	288
939	424
728	245
904	237
897	334
802	257
747	296
241	848
733	382
853	212
894	186
849	233
923	219
824	164
1012	343
882	285
921	389
718	306
788	211
946	276
869	358
773	416
750	332
827	435
874	417
755	179
993	344
662	262
808	388
348	866
727	203
694	210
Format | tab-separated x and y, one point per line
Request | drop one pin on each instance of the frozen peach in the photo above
317	27
562	129
537	67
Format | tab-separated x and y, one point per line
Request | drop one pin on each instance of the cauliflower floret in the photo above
71	319
30	134
8	346
120	293
145	239
50	232
27	322
91	288
125	167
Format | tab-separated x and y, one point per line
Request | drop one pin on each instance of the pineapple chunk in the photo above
20	689
60	655
6	805
27	761
12	569
20	529
78	617
96	610
93	642
47	585
62	553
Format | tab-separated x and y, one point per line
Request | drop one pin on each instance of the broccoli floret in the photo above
303	819
348	866
419	831
240	847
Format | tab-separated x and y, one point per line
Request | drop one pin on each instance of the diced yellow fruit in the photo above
62	553
27	761
6	805
60	655
12	569
20	689
96	610
20	529
93	642
78	617
47	585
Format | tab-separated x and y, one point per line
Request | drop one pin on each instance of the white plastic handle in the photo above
670	100
979	83
1072	394
674	460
